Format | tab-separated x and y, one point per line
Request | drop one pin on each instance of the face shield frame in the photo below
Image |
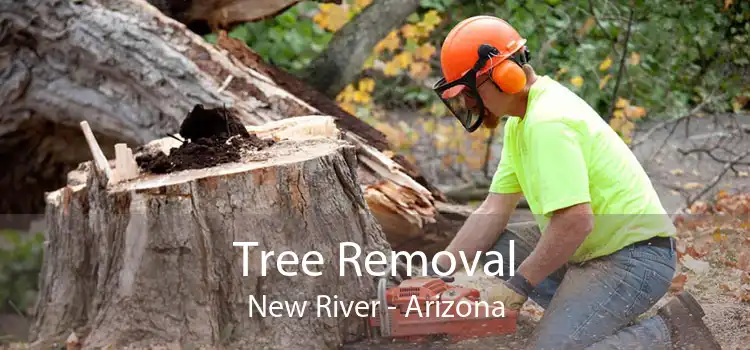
454	94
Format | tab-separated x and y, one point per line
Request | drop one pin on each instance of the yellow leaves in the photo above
621	103
429	23
367	85
624	109
350	99
419	70
391	69
587	26
403	59
606	64
635	112
390	43
348	107
728	3
635	58
623	116
331	16
431	19
361	4
677	172
717	236
438	109
692	186
577	81
425	52
410	31
429	126
603	81
401	137
369	63
415	60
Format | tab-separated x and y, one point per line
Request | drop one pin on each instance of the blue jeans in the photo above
594	305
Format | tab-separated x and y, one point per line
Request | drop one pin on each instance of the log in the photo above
150	260
205	16
132	74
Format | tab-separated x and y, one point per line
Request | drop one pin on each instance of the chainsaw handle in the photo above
448	279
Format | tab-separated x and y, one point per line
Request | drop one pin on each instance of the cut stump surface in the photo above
151	260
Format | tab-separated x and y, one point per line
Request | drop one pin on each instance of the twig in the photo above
226	82
711	155
648	133
664	142
622	62
13	305
176	138
717	178
100	161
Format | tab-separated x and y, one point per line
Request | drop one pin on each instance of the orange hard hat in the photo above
475	46
459	51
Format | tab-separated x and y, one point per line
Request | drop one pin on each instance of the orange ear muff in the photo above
509	77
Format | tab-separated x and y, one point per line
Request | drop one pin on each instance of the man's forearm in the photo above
480	230
559	241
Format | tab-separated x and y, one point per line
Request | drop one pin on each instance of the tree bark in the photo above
205	16
350	47
151	260
134	74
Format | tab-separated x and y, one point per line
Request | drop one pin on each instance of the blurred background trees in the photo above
632	60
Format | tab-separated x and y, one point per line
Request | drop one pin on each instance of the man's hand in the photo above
512	293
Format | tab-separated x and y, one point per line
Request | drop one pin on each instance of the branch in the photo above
710	154
728	165
622	62
648	133
349	48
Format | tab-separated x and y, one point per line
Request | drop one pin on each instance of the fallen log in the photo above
205	16
133	74
156	259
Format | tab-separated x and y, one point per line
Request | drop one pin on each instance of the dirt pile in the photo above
212	137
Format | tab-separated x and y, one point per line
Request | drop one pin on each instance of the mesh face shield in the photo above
461	96
463	100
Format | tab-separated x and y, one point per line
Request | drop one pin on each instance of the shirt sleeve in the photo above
559	166
505	179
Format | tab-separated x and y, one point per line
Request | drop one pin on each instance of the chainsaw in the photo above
424	307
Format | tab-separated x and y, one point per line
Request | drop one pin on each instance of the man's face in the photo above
497	103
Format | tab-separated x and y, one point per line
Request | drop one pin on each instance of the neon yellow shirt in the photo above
563	153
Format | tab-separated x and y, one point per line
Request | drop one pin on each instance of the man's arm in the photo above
557	157
566	231
482	228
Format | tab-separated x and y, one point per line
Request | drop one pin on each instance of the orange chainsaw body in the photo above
422	307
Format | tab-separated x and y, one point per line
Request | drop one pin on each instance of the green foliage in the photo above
678	54
20	263
290	40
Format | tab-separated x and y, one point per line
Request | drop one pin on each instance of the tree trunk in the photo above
133	74
350	47
151	260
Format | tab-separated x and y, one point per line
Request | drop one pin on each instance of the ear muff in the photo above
509	77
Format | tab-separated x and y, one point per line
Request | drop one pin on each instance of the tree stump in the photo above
151	260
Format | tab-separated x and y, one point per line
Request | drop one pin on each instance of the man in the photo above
602	251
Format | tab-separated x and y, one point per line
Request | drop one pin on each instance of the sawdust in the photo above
213	137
